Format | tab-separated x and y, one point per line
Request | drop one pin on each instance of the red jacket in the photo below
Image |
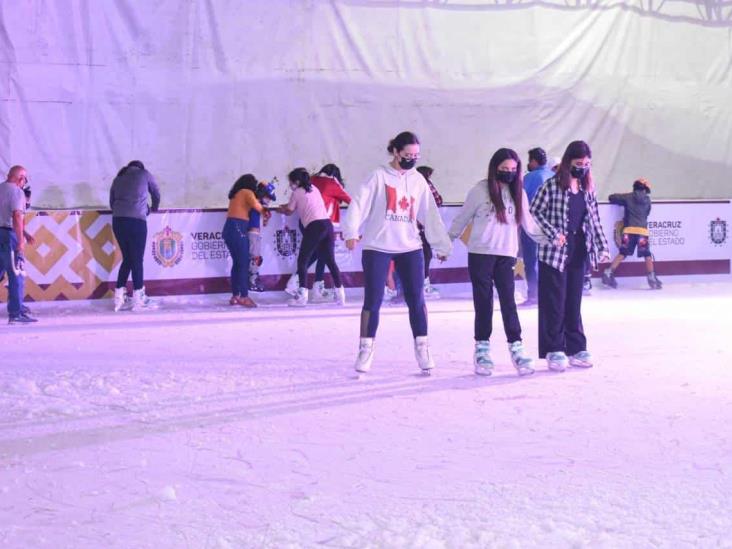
333	195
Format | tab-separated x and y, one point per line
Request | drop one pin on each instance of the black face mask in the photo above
407	163
578	171
506	177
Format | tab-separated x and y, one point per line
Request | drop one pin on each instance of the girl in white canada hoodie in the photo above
385	210
496	207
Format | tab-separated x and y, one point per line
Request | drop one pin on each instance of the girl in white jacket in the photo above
496	207
385	210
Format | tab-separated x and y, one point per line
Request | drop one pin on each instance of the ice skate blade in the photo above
485	372
556	367
524	371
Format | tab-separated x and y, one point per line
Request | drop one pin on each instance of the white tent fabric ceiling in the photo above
204	90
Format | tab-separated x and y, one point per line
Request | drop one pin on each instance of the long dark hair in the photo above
576	149
246	181
331	170
402	140
515	188
301	178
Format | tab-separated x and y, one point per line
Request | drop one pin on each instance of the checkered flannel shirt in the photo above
550	208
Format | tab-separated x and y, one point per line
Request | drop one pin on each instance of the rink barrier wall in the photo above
75	255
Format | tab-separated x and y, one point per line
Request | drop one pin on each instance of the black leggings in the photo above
318	238
131	235
410	267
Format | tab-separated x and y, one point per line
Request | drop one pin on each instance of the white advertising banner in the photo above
75	254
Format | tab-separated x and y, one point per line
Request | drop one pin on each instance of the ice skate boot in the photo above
319	293
557	362
365	354
292	285
587	286
608	279
120	299
300	299
430	292
255	284
140	300
653	281
340	296
524	364
583	359
482	358
423	355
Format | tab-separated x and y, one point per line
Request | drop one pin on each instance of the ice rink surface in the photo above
197	425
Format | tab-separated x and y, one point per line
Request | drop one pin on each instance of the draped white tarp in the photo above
204	90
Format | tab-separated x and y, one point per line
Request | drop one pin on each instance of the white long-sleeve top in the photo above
386	208
489	236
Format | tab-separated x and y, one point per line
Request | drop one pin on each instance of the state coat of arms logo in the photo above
167	248
718	231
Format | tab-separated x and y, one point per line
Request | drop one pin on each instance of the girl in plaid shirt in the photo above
565	208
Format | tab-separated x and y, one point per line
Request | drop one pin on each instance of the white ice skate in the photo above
292	285
430	292
423	355
557	362
300	299
140	300
389	294
482	358
583	359
524	364
365	354
120	299
319	293
340	295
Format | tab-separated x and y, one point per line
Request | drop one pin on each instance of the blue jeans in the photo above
8	243
237	241
410	268
528	247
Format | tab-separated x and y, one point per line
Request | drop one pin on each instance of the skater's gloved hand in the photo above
560	240
441	258
351	243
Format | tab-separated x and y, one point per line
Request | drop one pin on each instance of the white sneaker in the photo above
292	285
140	301
482	358
430	292
340	295
300	299
524	364
365	354
422	354
557	361
120	299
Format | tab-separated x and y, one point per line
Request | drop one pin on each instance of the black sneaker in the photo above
21	318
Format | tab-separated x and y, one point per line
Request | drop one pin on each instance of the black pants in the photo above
131	235
318	238
410	268
560	302
427	251
486	270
